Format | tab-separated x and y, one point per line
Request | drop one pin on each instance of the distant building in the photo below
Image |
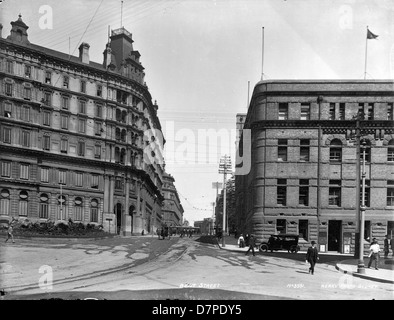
172	209
73	134
198	224
304	177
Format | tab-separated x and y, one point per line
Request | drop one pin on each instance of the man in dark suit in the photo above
252	243
312	257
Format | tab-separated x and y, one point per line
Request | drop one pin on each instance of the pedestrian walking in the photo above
252	242
241	241
246	240
386	246
10	234
374	254
312	257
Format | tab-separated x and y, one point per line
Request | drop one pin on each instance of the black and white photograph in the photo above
202	155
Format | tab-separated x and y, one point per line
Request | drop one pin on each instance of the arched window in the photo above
44	206
123	135
124	116
117	134
390	151
117	155
122	156
5	202
78	216
61	208
336	150
94	210
118	115
23	203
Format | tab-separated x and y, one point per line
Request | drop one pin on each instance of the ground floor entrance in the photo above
334	235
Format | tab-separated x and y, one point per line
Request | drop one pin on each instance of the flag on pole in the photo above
370	35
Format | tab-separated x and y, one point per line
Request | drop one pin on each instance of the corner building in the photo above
304	152
73	135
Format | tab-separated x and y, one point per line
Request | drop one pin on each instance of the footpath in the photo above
385	273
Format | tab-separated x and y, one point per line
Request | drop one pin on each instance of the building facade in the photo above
172	209
306	162
77	138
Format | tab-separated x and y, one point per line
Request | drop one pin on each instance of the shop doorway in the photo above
334	235
118	212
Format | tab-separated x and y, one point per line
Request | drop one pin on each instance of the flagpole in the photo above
262	57
366	47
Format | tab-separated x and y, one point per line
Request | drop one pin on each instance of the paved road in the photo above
148	268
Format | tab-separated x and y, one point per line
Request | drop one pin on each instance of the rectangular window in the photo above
97	128
83	86
283	111
390	111
25	138
78	179
94	214
304	150
46	118
390	197
94	181
5	206
23	208
370	111
64	121
8	88
26	93
48	77
44	174
361	112
81	125
78	213
62	176
332	112
97	151
390	153
305	111
303	229
118	184
334	193
63	145
66	81
335	154
25	113
81	148
47	100
24	171
341	111
7	109
6	169
82	106
27	71
9	66
281	226
304	192
281	192
99	90
46	142
6	135
99	111
44	210
282	150
65	102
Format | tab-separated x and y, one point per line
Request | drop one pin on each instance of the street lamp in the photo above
360	265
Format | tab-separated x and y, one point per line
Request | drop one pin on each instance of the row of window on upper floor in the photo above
24	206
26	92
335	151
67	82
337	111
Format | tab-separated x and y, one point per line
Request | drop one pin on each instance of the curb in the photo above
363	276
73	239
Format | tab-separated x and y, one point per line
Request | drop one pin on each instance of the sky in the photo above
201	55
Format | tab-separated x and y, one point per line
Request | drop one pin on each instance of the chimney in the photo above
84	52
107	56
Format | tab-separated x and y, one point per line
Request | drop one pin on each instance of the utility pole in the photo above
225	168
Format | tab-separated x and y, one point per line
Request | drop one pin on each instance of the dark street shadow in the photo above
303	272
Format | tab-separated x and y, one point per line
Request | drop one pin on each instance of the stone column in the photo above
126	218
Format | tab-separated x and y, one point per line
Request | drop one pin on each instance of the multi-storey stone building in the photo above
73	135
172	209
304	176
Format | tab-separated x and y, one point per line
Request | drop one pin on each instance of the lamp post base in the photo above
361	267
